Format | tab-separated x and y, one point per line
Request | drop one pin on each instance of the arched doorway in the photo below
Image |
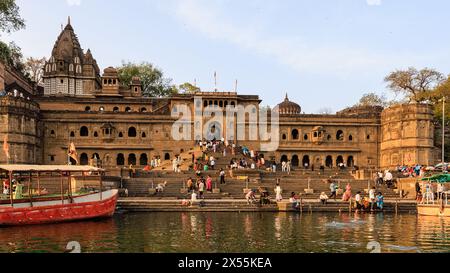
295	161
131	159
329	161
214	131
120	161
167	156
339	160
143	160
284	158
84	160
305	161
350	161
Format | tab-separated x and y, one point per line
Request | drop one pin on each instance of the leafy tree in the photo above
35	68
372	99
188	88
10	19
153	82
414	84
12	55
441	91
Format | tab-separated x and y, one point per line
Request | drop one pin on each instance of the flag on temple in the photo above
73	152
6	146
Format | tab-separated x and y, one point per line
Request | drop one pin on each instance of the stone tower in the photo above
69	71
407	135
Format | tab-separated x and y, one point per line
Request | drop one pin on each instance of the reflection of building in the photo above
118	126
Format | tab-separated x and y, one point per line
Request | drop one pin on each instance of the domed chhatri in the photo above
288	107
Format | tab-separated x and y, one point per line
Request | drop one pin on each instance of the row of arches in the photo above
220	103
115	109
84	132
120	160
329	162
295	135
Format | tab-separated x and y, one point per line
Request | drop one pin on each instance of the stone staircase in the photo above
297	181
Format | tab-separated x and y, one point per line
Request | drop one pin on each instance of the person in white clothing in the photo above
278	192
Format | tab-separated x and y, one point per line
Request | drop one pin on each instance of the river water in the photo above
236	232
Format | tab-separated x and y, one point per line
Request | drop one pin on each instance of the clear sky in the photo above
323	53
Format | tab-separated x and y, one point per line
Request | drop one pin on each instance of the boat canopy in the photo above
441	178
48	168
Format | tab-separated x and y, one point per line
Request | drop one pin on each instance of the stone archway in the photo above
329	161
295	161
306	160
350	161
339	160
284	158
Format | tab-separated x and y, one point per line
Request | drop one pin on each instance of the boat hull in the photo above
80	208
433	210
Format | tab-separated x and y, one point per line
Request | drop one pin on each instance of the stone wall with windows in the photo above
407	136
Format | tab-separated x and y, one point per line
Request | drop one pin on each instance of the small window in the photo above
305	137
95	134
284	137
128	109
135	89
87	109
368	137
116	109
350	138
52	158
120	134
340	135
52	133
62	81
144	135
143	110
72	134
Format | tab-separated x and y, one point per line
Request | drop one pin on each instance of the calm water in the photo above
235	232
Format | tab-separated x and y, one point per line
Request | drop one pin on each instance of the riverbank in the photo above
137	204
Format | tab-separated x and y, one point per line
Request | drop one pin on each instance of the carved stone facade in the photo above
118	126
407	135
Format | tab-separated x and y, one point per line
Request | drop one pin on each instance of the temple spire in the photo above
286	99
68	20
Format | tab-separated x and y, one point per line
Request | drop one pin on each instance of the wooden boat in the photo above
54	209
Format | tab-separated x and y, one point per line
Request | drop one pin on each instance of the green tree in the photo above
188	88
154	84
441	91
372	99
12	55
414	84
10	19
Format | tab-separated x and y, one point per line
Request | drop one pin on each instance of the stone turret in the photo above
69	71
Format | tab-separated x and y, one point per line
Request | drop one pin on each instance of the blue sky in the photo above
323	53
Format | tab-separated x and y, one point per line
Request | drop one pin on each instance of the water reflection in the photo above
236	232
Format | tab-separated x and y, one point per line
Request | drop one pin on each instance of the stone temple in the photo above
119	126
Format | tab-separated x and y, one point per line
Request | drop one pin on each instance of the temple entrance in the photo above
329	161
84	159
214	131
339	160
305	161
295	161
284	158
350	162
132	159
120	161
143	160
